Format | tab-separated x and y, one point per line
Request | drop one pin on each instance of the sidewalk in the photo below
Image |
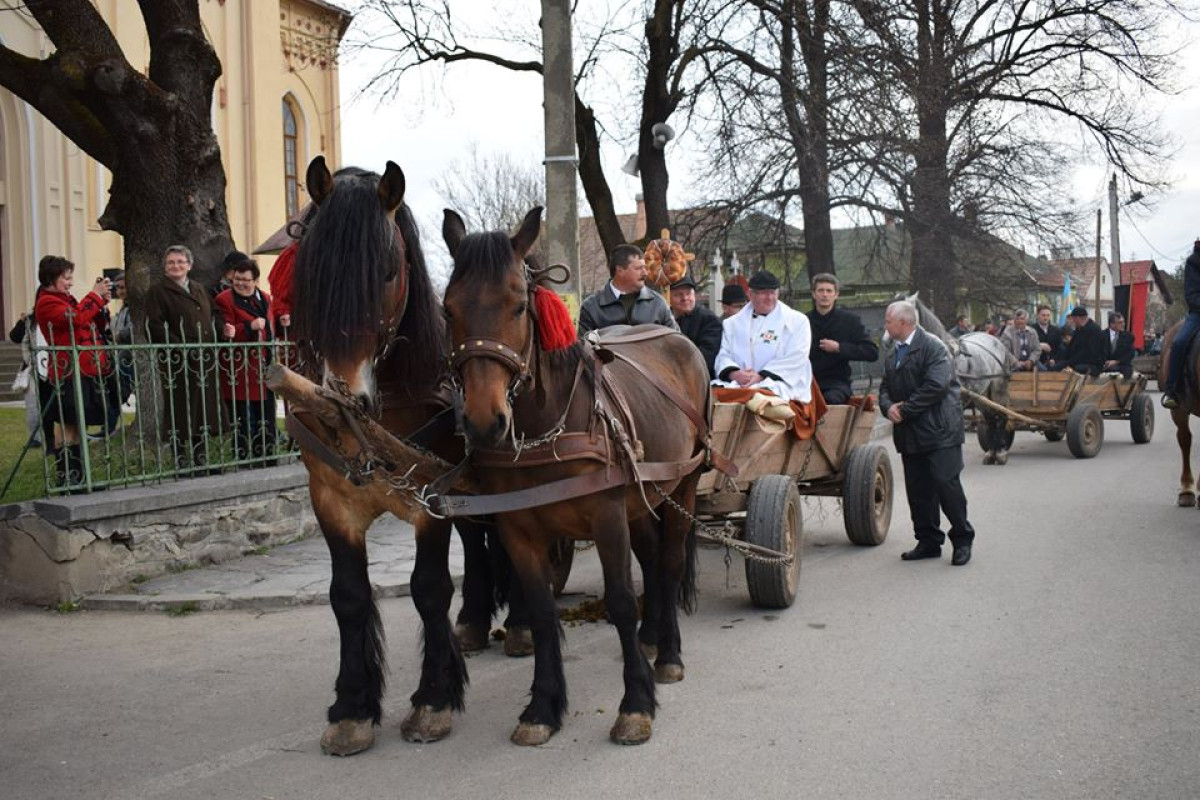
291	575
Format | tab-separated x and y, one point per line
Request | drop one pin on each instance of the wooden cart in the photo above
1072	406
762	504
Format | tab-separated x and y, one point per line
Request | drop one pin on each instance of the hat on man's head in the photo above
1078	311
234	259
764	280
686	281
733	293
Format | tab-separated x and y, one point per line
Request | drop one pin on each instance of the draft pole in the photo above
558	88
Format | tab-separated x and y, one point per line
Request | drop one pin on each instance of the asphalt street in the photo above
1062	662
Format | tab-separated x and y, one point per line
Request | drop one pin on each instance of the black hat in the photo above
686	280
1078	311
733	293
764	280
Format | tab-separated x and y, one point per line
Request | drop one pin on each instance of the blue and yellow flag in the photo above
1065	302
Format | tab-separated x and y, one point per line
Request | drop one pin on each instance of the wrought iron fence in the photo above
180	403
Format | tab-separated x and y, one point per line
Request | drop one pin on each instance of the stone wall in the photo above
54	551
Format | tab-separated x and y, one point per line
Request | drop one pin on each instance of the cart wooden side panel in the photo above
737	435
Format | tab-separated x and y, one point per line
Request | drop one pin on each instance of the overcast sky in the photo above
432	123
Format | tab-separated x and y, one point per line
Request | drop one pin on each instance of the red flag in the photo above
1138	292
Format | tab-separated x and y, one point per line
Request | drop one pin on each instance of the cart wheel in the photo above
562	555
867	495
1085	431
1053	436
1141	419
774	520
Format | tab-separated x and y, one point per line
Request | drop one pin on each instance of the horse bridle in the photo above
518	363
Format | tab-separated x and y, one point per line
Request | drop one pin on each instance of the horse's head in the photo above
487	310
352	274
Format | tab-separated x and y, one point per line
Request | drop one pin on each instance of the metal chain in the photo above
724	535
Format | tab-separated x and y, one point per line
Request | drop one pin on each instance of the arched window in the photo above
291	186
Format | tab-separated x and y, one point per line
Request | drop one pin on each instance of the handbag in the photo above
21	382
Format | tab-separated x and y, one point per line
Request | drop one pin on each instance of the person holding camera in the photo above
69	323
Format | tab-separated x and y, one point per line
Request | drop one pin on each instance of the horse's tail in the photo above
687	587
502	569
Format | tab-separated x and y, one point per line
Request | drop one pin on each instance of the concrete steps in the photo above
10	363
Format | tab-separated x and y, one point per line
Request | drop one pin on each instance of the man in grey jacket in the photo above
919	394
625	299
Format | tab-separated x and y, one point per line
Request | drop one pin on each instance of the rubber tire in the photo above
1085	431
1141	419
867	491
775	520
1053	436
985	439
562	555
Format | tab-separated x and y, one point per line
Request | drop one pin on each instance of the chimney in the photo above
639	227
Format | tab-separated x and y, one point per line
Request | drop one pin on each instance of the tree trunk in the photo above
591	175
657	106
934	267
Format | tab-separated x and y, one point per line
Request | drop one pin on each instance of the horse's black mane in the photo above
489	256
341	266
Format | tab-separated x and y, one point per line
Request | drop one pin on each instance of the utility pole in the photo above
1097	309
1114	224
558	89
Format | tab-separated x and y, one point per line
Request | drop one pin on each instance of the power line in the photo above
1149	244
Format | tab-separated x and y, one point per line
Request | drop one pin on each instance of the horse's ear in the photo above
531	226
318	180
453	230
391	188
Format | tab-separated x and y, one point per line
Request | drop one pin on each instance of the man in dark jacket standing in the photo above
625	299
1178	349
1085	353
838	338
919	394
696	322
1118	346
1049	337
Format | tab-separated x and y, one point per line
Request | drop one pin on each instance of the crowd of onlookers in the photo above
202	390
1080	344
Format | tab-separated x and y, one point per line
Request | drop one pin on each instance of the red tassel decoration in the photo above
555	330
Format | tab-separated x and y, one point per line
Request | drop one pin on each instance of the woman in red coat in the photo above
244	314
65	322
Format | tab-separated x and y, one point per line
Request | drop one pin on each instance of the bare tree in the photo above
422	34
152	131
492	192
975	107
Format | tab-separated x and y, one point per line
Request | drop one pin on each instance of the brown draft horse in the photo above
1189	406
532	395
369	326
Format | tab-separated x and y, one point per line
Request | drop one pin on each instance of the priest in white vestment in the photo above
766	344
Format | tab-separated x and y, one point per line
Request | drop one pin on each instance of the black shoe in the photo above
962	554
922	550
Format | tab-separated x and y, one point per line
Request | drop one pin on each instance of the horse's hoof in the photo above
1187	499
518	643
1001	459
989	459
471	638
631	729
668	673
347	737
650	651
527	734
425	724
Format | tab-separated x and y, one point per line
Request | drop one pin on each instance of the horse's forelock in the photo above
483	257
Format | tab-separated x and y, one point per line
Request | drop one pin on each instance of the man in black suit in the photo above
696	322
1049	336
1086	352
919	394
1118	355
838	338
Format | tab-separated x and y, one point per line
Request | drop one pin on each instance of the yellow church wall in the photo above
51	193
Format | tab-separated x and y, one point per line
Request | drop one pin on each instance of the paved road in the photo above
1063	662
